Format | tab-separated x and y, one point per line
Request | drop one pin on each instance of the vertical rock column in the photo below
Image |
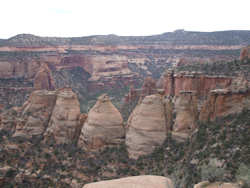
186	115
65	117
36	113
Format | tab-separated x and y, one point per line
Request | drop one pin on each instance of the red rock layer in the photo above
201	84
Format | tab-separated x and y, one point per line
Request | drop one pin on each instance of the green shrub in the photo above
243	174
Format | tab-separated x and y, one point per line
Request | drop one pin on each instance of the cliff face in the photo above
192	81
224	102
186	107
106	63
43	79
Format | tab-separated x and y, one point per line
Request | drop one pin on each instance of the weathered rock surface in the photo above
44	79
146	126
223	102
186	113
245	53
146	181
65	117
36	114
193	81
104	125
216	185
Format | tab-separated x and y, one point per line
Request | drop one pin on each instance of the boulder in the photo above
146	126
104	125
146	181
207	184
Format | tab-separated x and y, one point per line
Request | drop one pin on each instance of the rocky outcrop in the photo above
193	81
245	53
146	126
44	79
207	184
186	114
146	181
223	102
64	118
35	114
103	126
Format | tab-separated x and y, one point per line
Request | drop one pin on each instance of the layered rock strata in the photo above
44	79
64	118
186	108
104	125
36	113
223	102
146	126
193	81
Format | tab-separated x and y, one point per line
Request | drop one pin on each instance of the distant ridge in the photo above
178	37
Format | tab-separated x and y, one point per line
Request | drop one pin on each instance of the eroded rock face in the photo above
36	114
146	126
245	53
104	125
146	181
65	117
43	79
216	185
193	81
186	113
223	102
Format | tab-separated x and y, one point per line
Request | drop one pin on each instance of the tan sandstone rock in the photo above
43	79
186	114
104	125
146	126
65	117
146	181
216	185
36	113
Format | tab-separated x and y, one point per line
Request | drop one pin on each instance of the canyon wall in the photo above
193	81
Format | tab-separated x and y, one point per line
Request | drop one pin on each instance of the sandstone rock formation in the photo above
223	102
193	81
64	119
146	181
36	114
146	126
245	53
44	79
216	185
104	125
186	114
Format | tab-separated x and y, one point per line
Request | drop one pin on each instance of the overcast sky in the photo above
71	18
